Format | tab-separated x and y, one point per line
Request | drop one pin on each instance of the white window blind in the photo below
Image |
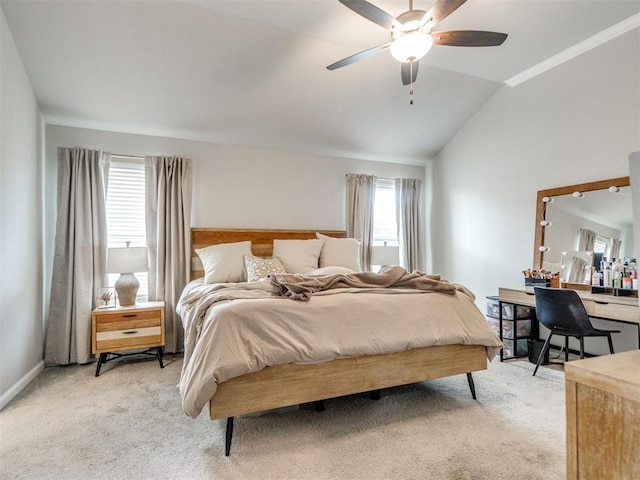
384	214
600	245
126	210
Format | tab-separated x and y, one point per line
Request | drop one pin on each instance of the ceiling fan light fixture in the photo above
411	46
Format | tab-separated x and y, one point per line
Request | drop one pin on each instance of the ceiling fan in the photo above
411	35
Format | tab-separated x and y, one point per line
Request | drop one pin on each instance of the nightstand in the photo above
138	326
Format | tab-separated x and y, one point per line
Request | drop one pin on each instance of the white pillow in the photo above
224	263
298	256
258	267
340	252
331	271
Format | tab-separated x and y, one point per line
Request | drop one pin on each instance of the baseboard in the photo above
17	387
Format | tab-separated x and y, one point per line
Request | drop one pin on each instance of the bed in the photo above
302	379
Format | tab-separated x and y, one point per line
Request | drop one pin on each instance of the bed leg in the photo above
319	406
471	385
228	436
375	395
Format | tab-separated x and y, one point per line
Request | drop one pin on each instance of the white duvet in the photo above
234	329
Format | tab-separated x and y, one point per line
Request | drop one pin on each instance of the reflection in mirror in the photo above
600	220
576	267
595	213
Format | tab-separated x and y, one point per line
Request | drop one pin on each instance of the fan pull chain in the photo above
411	84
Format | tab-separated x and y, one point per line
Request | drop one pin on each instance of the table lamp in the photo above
125	261
384	255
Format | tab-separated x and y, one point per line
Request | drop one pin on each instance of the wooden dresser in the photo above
603	417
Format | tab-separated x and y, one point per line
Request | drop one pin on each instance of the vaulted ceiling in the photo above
253	72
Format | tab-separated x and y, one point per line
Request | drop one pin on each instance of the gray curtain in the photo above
614	251
80	255
409	222
577	273
169	184
361	193
586	240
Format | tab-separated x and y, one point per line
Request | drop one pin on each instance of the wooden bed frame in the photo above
293	384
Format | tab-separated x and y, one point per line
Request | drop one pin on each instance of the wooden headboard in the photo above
261	241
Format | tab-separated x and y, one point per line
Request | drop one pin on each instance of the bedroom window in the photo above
384	213
126	210
600	245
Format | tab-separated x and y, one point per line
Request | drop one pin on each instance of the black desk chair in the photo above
563	313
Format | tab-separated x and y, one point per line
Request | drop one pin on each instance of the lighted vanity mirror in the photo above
602	207
576	267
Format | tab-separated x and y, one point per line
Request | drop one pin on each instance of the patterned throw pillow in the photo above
258	268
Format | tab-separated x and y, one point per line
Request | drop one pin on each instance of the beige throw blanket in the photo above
301	287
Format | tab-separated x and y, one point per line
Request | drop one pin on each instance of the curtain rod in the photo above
380	178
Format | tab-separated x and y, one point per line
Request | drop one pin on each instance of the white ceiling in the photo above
253	72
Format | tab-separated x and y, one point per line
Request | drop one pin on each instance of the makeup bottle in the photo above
596	278
607	276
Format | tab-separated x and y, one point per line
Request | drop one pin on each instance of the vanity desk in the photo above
598	305
576	227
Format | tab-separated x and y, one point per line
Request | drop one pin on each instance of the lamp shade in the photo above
385	255
127	260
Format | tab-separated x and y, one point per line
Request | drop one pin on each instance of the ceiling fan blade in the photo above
441	10
359	56
371	12
469	38
409	72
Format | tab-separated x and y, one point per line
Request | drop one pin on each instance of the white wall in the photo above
244	187
21	287
575	123
239	187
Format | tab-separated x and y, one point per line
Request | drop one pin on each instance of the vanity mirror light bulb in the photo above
578	194
544	249
545	223
547	199
614	189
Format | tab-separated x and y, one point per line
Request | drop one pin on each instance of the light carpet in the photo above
128	424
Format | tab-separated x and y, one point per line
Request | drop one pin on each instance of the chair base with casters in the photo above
563	313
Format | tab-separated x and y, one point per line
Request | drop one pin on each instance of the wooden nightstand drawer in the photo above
128	338
128	328
128	316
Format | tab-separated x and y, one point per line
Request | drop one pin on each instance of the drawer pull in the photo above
129	332
529	293
130	315
601	303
